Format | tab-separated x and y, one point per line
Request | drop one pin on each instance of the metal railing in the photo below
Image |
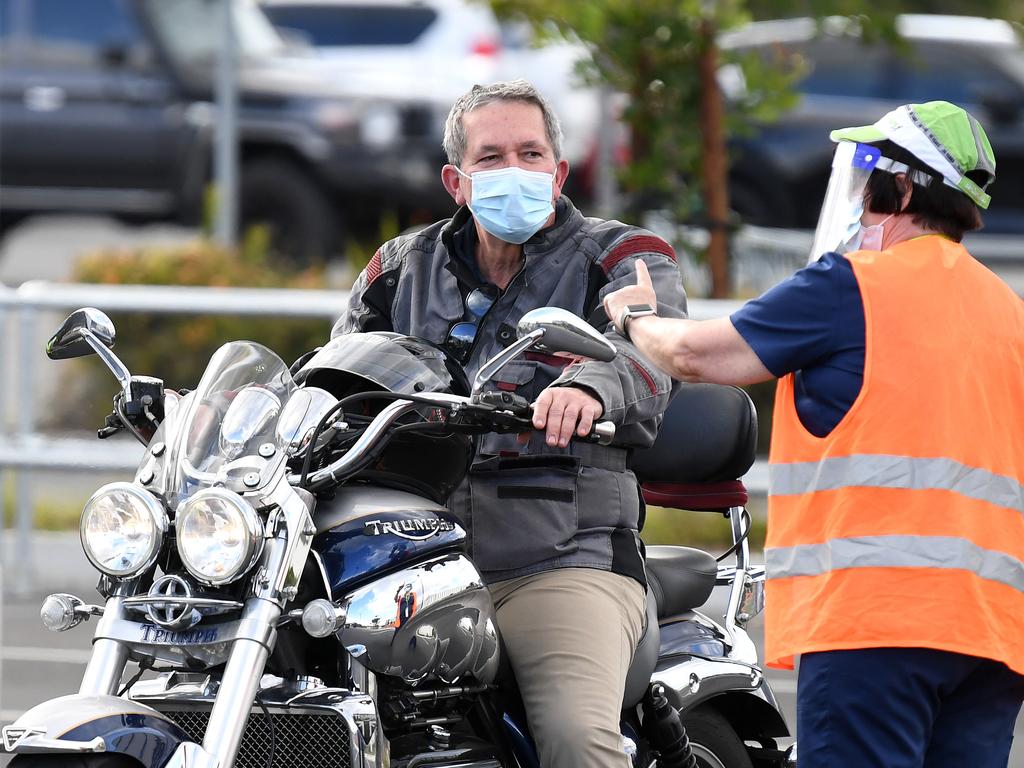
22	447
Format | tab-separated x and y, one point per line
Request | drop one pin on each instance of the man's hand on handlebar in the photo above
560	411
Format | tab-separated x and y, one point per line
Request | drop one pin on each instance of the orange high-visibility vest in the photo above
904	527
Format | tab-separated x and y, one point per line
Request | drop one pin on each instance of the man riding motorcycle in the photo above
553	523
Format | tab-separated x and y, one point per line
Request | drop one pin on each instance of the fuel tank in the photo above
430	621
365	531
414	605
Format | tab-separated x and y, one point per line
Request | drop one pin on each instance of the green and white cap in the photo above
939	134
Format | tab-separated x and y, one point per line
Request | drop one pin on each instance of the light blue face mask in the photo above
510	203
861	238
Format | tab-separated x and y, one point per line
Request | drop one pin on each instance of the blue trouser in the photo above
905	708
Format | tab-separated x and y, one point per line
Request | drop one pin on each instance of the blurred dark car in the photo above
778	176
107	106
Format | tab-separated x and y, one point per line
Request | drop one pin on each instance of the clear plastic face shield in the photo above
839	220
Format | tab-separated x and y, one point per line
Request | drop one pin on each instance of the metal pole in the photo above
9	355
607	185
226	149
8	350
25	428
1	638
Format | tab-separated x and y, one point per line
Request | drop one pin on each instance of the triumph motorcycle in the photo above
284	574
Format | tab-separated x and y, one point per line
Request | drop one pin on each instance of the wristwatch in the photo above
629	312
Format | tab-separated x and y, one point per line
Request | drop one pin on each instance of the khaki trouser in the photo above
570	634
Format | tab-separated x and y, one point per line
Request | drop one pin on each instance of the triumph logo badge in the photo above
418	529
175	612
14	735
157	636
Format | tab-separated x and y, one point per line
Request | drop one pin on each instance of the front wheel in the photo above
714	742
74	761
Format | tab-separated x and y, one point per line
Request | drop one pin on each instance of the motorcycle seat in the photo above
681	578
708	435
699	497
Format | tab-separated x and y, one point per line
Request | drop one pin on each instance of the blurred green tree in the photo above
663	55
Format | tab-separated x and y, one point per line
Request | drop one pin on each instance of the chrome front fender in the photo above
82	724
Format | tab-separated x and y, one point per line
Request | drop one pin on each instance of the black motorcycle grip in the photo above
602	432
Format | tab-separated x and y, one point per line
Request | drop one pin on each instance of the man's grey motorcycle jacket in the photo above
531	508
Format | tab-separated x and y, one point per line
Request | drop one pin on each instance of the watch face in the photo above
640	308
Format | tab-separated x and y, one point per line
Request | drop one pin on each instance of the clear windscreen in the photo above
226	433
839	219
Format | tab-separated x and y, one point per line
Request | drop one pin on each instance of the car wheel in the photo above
302	227
9	221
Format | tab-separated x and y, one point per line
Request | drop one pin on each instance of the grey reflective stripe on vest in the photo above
894	552
881	471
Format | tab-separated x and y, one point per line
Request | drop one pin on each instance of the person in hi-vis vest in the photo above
895	548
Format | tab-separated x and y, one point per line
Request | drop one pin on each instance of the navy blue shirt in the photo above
812	324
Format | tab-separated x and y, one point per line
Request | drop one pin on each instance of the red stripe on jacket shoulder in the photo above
373	269
634	245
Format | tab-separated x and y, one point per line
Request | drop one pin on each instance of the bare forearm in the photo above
692	350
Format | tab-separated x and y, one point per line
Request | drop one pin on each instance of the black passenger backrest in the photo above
709	434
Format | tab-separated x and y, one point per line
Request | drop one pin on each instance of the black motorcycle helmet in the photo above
427	464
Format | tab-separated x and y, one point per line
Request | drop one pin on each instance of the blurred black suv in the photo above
778	176
107	106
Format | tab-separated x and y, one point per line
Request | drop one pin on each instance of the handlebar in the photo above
498	411
512	413
603	432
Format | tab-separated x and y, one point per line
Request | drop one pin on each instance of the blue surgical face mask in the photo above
510	203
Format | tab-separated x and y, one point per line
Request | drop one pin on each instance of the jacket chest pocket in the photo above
524	510
517	377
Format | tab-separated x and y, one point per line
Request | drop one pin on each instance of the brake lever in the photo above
505	401
112	424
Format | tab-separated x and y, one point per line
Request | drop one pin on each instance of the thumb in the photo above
643	277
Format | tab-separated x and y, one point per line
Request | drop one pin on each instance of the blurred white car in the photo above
436	50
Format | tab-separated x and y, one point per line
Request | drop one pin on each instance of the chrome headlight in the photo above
219	536
122	529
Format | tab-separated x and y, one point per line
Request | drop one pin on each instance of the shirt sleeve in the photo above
797	323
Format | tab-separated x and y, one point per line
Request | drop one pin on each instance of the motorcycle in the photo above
291	598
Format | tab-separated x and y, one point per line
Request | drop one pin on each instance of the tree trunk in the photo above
640	142
714	166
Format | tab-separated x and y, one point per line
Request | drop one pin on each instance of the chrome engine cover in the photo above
431	621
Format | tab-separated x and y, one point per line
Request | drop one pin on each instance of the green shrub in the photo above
704	530
176	348
48	514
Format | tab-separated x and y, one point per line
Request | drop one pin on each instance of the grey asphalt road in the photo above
46	247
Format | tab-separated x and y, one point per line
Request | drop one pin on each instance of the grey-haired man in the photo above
553	523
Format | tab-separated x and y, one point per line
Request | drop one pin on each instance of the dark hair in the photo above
936	206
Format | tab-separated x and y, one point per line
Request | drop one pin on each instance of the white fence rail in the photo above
21	309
